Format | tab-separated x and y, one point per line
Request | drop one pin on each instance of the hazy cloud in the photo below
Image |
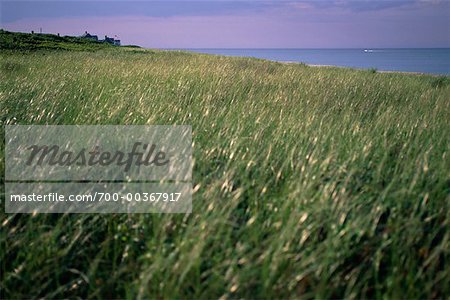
270	24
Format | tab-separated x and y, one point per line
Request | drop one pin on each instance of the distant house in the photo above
111	41
89	36
107	39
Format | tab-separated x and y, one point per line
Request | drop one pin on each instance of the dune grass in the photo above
308	182
26	42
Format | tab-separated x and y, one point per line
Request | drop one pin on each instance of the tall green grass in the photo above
308	182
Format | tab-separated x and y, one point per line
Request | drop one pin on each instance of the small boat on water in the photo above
368	50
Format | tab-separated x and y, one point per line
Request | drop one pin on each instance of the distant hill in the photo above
36	41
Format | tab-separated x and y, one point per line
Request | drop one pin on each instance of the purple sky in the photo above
241	24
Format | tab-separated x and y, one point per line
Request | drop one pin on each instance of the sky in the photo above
241	23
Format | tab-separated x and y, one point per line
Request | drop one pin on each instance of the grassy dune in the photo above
308	182
18	41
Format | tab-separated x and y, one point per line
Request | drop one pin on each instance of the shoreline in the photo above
362	69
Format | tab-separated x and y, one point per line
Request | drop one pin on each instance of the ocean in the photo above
432	61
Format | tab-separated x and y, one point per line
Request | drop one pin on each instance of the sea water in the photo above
432	61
